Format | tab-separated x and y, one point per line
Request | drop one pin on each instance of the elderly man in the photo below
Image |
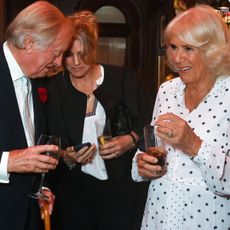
35	42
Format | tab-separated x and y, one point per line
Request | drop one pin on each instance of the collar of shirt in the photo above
15	70
16	74
100	80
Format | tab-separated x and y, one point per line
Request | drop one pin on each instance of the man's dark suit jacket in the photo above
17	211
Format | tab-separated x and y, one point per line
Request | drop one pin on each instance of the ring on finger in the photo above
71	149
170	134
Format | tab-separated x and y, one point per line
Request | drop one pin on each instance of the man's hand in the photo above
31	160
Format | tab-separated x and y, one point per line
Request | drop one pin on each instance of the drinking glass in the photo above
103	130
154	146
46	140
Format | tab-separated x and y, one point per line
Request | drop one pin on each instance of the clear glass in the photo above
103	130
46	140
154	146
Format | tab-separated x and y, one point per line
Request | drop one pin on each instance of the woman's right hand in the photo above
147	166
83	156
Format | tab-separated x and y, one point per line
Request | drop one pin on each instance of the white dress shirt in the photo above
97	167
16	74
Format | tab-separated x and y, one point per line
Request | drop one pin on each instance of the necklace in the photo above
86	87
87	84
191	102
90	97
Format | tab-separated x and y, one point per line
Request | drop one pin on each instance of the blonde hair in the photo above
40	20
86	31
202	27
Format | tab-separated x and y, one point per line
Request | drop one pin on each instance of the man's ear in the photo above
29	44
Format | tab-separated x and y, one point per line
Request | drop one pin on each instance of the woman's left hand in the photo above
116	147
178	133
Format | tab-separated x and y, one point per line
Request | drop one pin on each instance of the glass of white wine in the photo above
103	130
46	140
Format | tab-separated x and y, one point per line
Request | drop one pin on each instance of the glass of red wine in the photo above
46	140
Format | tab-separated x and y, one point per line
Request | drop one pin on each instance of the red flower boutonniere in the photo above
42	94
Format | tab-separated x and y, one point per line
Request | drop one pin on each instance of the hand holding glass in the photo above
154	147
46	140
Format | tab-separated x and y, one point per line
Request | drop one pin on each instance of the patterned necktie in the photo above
28	124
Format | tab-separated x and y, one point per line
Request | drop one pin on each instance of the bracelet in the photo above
134	141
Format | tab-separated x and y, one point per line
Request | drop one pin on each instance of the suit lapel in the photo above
10	118
11	129
39	108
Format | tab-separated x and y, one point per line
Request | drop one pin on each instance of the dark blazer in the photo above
80	196
67	106
16	206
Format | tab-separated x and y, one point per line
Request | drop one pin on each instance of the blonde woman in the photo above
192	115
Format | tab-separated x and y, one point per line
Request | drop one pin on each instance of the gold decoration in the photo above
179	6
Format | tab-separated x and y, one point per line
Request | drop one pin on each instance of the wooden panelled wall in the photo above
2	19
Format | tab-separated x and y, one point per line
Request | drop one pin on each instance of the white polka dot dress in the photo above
195	193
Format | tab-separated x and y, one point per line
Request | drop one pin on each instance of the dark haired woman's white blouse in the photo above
195	193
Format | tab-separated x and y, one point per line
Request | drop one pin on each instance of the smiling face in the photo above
187	60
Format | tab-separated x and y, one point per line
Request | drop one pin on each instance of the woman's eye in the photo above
188	48
173	47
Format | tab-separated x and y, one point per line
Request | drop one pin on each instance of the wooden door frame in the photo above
130	30
2	19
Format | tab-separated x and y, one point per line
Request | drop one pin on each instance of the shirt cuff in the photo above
4	175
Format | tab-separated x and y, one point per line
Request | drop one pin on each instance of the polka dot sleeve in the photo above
215	168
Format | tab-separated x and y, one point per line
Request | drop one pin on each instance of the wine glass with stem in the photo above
46	140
